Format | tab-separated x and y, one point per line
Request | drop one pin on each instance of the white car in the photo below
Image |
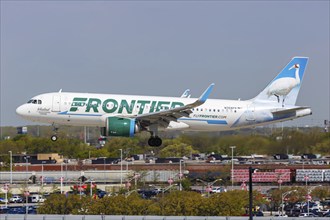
16	199
218	190
2	200
36	198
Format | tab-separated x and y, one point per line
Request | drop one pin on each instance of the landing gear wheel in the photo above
54	138
158	141
155	141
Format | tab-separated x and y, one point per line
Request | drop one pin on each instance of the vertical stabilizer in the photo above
284	88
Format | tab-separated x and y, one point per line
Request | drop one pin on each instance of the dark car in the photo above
101	193
259	213
3	209
17	210
148	193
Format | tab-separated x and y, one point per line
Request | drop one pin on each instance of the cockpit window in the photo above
35	101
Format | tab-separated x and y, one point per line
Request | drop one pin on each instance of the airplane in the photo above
126	115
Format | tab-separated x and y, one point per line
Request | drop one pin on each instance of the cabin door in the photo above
250	113
56	107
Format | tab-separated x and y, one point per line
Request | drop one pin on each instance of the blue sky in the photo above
161	48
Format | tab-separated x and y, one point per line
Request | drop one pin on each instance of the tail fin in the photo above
284	88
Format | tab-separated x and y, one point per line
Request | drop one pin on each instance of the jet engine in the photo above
120	127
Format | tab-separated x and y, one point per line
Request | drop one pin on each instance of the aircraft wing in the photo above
164	117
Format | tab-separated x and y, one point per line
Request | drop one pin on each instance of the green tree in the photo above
61	204
177	150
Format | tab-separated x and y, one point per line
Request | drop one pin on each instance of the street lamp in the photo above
232	166
11	166
121	167
283	197
251	170
307	196
61	177
42	173
180	175
27	169
104	170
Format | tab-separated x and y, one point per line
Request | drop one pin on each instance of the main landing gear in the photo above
155	141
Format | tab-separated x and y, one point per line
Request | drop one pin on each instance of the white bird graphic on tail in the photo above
283	86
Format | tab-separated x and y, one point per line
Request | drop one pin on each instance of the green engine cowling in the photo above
120	127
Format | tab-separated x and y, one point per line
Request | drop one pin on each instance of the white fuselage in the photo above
88	109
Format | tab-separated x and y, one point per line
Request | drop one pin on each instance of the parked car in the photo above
281	215
17	210
101	193
35	198
218	190
16	199
2	200
259	213
307	215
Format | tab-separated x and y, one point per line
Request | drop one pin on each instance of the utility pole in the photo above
121	167
232	167
251	171
11	166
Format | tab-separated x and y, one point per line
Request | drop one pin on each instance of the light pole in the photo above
251	171
307	196
11	166
232	167
121	167
180	175
104	170
91	190
27	169
61	177
42	174
283	197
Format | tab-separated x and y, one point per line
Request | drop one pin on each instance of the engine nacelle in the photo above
120	127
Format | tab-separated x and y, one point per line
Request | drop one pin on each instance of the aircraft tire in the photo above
154	141
158	141
53	138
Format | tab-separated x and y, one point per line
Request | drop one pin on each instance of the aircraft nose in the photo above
20	110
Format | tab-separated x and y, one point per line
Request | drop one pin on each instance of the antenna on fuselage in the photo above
60	91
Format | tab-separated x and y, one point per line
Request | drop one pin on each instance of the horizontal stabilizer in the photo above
282	111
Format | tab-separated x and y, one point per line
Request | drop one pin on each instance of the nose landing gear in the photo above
55	129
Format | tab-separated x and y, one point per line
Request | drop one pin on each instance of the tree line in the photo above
288	141
180	203
175	203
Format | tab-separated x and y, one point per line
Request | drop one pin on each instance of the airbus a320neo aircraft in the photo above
125	115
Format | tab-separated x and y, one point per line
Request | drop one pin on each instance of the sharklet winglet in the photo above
206	93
